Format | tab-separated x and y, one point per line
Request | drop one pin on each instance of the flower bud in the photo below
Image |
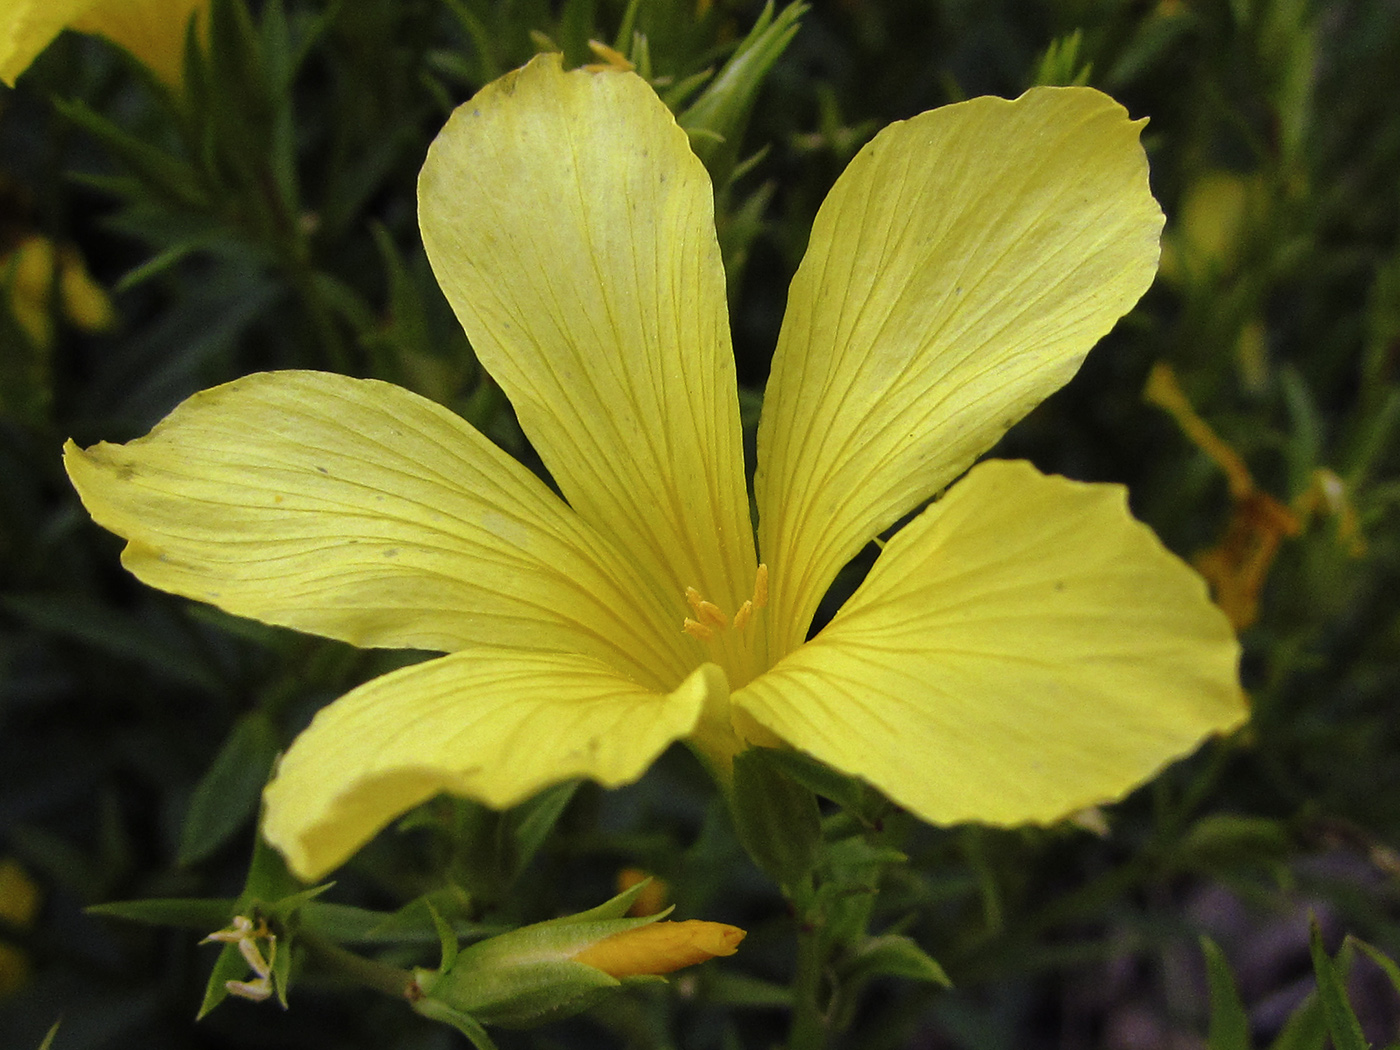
554	969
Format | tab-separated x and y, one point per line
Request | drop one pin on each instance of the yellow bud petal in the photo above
650	900
661	947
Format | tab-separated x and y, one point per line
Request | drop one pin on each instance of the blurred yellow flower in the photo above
36	271
1021	650
152	30
19	904
19	896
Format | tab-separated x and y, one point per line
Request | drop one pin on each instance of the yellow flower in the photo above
152	30
1021	650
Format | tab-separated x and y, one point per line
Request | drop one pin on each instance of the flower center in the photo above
710	619
738	644
734	640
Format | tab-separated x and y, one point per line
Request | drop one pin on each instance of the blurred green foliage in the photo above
265	218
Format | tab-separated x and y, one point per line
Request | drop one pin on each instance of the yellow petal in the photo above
355	509
662	947
1020	651
27	27
571	228
957	274
152	30
493	725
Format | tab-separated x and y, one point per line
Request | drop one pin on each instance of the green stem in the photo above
367	973
809	1023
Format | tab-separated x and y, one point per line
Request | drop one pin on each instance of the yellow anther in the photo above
760	587
708	613
696	629
743	616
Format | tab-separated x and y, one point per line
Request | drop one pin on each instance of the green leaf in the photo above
777	820
268	879
227	795
1229	1024
1385	962
717	119
1306	1028
532	821
286	907
894	955
1227	840
344	923
198	913
115	633
170	177
48	1039
1341	1020
726	987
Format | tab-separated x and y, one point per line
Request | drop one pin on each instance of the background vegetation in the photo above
265	219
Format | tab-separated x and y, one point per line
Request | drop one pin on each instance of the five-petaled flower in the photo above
1021	649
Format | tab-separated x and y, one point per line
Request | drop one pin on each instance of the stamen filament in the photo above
712	616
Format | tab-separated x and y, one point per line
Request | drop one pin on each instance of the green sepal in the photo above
282	970
613	908
517	994
230	966
466	1024
447	938
273	893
